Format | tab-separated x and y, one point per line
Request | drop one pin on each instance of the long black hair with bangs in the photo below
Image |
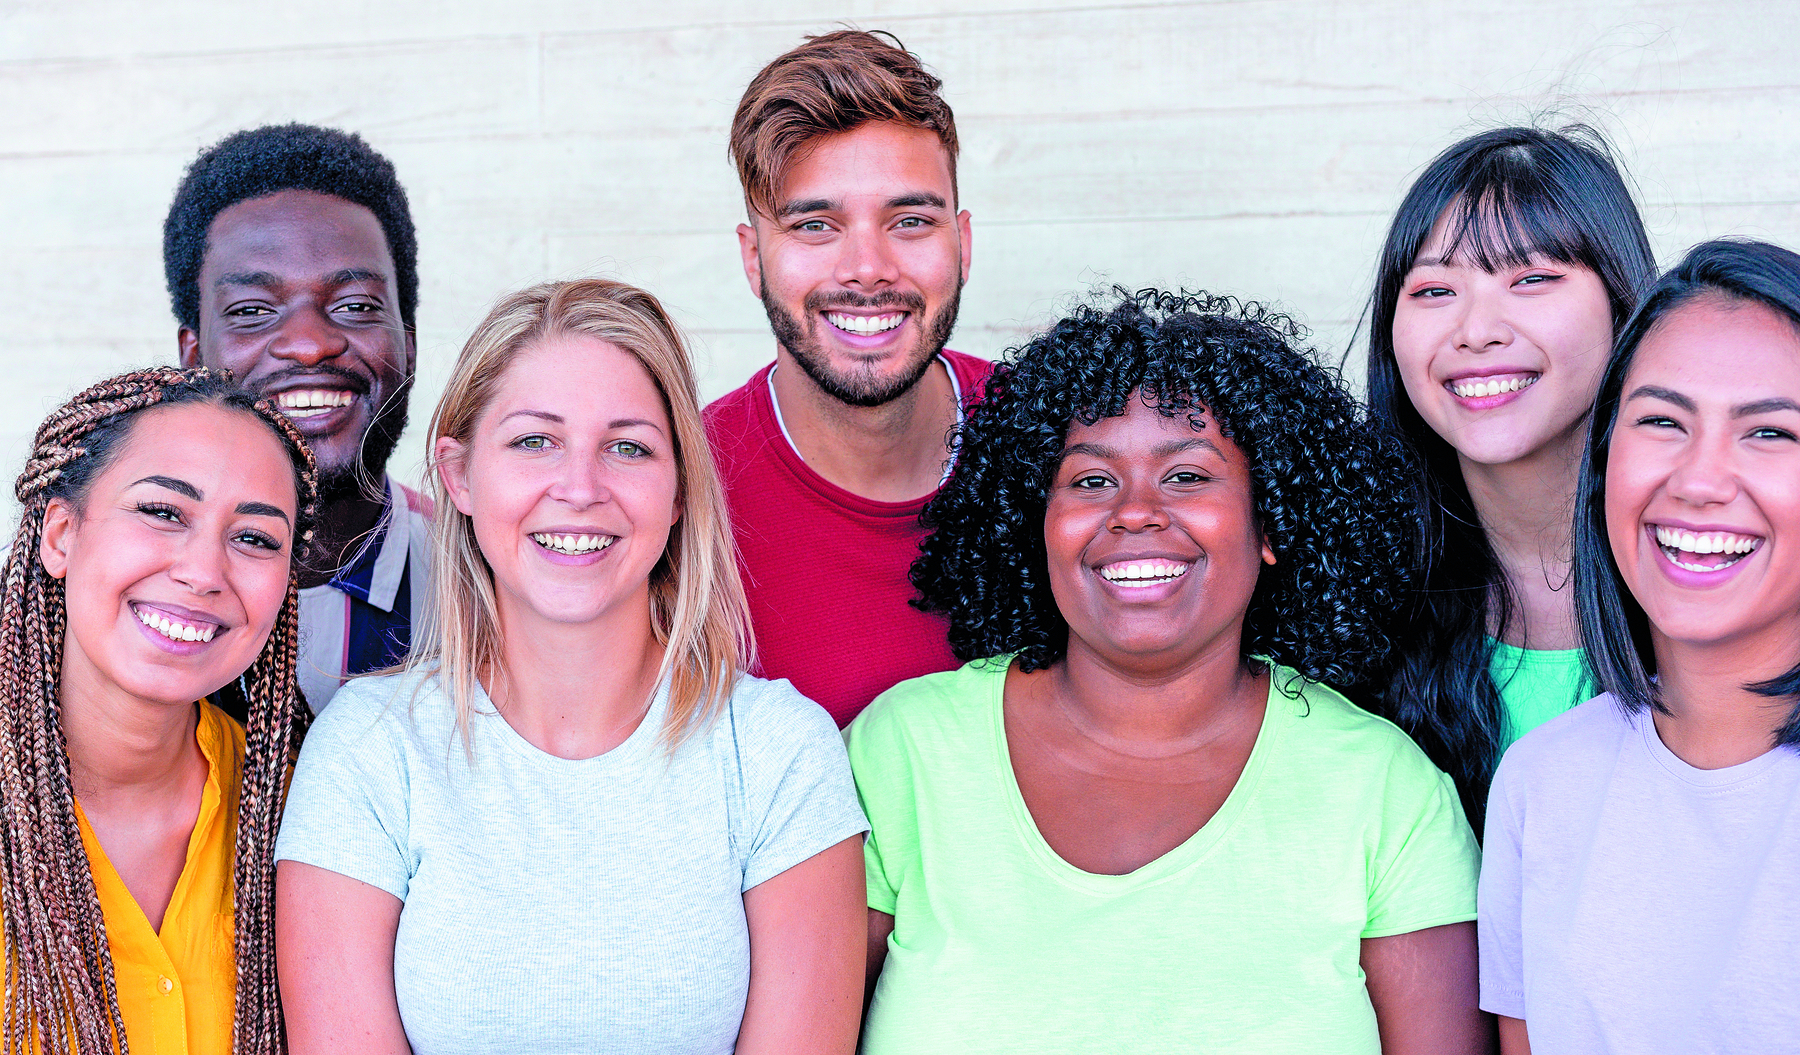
1504	195
1614	630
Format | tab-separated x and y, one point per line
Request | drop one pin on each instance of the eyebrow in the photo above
1764	406
270	280
1161	450
558	419
914	200
1667	395
187	490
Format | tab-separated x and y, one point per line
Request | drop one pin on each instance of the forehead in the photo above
226	453
580	379
297	232
1736	351
878	159
1140	428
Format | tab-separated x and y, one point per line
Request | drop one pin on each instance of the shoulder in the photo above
386	708
732	410
971	371
1331	735
1568	742
765	716
945	707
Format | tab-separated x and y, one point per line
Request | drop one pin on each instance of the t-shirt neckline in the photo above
1693	775
482	709
1184	856
762	401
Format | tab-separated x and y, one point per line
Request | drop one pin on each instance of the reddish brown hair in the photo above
831	84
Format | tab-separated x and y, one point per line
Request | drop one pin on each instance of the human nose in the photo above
580	481
1481	326
867	259
307	337
1139	508
1705	474
200	565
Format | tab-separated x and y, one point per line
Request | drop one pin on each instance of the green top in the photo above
1537	684
1244	939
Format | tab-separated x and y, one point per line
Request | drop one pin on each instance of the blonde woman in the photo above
573	823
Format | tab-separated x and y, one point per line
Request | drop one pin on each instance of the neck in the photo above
1527	509
1197	700
341	526
1712	720
891	453
123	746
576	690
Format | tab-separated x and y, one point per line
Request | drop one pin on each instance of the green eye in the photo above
532	443
630	449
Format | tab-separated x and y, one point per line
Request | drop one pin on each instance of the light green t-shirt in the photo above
1244	939
1537	684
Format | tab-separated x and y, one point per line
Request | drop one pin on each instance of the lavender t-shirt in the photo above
1633	903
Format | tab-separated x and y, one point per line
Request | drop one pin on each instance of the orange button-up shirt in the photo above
177	989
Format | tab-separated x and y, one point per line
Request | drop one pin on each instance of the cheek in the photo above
1413	344
1630	481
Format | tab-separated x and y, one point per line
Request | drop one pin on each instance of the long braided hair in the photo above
61	995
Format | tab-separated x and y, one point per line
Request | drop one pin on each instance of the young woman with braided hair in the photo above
152	568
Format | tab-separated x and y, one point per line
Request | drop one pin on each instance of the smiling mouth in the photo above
866	325
573	545
1704	551
1134	574
174	629
1478	387
301	403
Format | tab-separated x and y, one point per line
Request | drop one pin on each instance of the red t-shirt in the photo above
825	570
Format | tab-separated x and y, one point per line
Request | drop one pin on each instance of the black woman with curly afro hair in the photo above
1137	820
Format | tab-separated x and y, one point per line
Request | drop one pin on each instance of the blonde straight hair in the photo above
697	605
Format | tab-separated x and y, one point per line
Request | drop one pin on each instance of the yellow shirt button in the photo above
165	984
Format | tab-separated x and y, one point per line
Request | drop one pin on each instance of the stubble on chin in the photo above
864	388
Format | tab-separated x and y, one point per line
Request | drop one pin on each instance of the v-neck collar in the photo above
1197	847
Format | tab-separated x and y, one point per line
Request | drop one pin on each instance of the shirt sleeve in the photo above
801	797
347	808
1425	864
1500	932
884	785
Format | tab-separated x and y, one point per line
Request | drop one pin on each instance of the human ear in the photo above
451	459
1268	555
747	247
962	230
53	544
187	348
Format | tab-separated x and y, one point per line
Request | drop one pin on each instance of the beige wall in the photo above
1255	147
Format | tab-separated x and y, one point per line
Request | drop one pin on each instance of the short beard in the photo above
802	342
363	478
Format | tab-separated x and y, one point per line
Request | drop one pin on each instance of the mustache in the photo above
352	380
908	301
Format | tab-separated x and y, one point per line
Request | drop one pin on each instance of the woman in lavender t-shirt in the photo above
1641	886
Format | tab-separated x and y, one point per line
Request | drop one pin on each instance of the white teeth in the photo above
1477	389
1705	542
1137	573
172	630
308	402
573	544
865	325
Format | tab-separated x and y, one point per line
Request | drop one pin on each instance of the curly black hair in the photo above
261	161
1323	481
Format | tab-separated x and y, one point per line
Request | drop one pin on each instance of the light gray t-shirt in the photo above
1632	903
556	905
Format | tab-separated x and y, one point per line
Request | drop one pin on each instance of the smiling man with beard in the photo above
856	248
291	261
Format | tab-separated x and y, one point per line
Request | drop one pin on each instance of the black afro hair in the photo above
1328	489
262	161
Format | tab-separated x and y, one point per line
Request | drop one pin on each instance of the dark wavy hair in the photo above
1320	480
262	161
1614	629
1504	194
